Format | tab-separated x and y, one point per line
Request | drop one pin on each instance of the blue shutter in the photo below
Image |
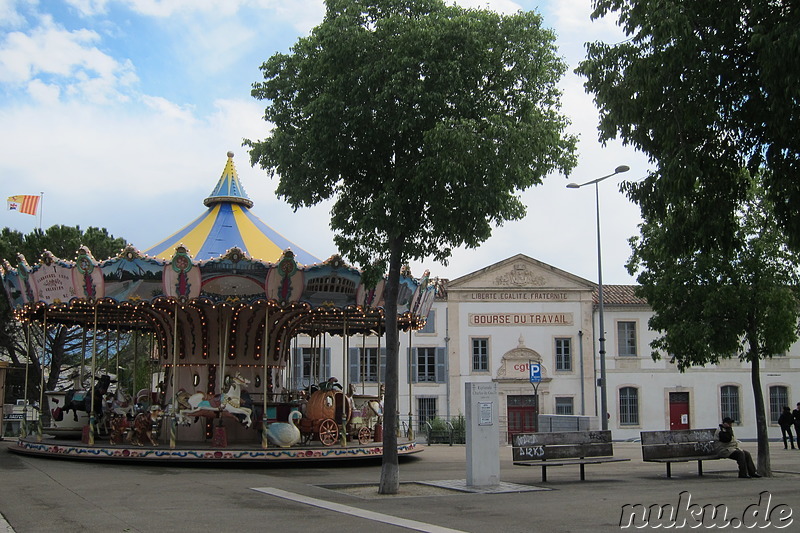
383	365
297	365
354	366
412	354
440	365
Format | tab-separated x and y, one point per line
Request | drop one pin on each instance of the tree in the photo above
705	89
64	343
715	303
423	121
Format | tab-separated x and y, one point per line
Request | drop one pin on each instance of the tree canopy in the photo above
423	121
705	89
714	304
711	304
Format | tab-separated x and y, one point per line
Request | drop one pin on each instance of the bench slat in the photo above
564	437
676	436
684	459
593	461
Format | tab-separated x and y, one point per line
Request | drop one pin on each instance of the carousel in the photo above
219	307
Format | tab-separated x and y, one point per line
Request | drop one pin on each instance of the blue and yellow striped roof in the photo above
229	223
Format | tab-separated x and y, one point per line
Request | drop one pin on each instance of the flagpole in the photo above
41	208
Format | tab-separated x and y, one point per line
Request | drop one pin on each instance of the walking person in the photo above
796	416
728	446
786	421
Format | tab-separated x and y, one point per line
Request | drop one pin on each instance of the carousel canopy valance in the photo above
233	279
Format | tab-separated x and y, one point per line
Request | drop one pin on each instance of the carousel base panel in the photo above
202	452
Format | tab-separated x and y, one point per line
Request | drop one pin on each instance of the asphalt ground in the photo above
49	495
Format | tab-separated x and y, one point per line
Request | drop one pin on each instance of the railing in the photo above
445	431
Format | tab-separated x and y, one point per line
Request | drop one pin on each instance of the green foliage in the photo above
423	121
705	89
459	423
438	424
715	303
62	241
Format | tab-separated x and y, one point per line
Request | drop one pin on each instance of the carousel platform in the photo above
201	453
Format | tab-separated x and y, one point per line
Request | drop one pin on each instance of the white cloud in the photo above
573	17
500	6
10	17
89	7
44	93
65	58
169	110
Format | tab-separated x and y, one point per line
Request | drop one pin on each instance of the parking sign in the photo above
536	372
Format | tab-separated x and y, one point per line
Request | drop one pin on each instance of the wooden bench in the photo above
679	446
562	449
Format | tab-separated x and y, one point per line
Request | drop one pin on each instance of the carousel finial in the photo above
230	155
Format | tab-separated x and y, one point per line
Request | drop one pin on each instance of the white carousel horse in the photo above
121	404
229	402
285	434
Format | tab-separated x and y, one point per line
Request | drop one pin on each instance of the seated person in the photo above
728	446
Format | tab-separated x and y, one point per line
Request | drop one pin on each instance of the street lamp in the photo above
603	396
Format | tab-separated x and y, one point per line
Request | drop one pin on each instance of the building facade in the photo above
490	325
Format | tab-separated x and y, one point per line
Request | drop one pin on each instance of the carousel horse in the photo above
285	434
236	403
142	428
121	404
78	400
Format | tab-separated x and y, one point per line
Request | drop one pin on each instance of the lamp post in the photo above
603	392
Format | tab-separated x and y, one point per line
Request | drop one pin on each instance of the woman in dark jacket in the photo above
786	421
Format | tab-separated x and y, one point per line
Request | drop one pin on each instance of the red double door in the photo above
523	414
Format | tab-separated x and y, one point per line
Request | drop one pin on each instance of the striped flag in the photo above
24	203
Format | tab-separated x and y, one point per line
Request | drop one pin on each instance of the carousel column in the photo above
92	421
410	433
83	356
344	377
40	423
220	437
173	420
23	426
265	381
361	357
135	362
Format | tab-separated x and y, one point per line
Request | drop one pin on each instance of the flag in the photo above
24	203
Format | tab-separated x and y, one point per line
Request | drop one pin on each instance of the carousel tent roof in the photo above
229	223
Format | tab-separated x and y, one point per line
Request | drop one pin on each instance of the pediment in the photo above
520	272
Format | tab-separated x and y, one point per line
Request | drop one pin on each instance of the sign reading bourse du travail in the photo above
520	319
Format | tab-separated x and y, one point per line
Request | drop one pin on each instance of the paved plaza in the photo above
45	495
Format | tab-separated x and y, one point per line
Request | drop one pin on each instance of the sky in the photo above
122	111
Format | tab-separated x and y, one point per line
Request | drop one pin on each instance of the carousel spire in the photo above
228	188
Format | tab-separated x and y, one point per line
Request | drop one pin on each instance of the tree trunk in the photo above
390	469
57	356
764	467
